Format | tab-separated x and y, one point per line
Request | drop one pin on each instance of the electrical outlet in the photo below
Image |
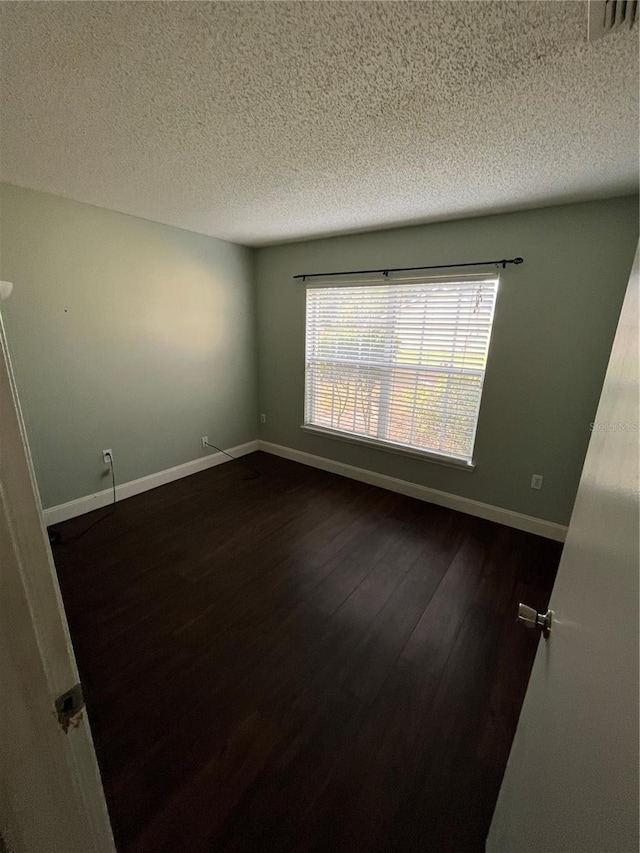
263	418
204	441
107	457
536	481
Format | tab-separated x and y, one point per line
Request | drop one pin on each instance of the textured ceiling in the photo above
270	121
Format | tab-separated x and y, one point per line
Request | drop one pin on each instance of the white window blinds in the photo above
400	363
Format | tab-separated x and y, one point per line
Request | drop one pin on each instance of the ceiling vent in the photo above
607	16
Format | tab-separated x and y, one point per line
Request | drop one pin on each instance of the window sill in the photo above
377	444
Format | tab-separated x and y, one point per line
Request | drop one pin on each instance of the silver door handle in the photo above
531	618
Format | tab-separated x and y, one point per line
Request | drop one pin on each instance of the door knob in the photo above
531	618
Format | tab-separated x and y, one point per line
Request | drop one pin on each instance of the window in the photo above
399	364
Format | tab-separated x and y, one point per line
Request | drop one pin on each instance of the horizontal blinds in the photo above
400	362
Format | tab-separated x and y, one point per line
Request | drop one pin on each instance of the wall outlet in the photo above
204	441
263	418
107	457
536	481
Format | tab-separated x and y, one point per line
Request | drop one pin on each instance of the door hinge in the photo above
531	618
68	706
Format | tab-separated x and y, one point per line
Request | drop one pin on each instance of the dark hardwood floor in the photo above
299	662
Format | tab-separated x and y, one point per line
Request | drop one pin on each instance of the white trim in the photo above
528	523
391	447
70	509
50	780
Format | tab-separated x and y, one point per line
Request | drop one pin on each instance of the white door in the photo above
571	783
51	797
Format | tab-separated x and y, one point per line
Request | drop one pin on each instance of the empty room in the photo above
319	426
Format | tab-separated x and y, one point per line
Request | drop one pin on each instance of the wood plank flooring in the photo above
299	662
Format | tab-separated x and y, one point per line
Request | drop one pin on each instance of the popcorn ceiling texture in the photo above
265	122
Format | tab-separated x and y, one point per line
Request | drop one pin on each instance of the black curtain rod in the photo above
385	272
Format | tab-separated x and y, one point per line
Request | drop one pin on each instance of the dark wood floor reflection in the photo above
299	662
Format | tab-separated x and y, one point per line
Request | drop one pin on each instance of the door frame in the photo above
51	794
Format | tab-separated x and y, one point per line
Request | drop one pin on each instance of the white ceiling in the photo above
271	121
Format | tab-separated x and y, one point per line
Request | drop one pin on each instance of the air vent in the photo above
606	16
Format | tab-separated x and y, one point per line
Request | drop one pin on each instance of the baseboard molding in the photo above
62	512
528	523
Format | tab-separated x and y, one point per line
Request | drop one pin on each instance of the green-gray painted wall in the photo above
137	336
554	325
124	334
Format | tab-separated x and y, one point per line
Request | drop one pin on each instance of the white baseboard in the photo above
62	512
528	523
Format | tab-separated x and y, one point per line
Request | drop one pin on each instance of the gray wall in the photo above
555	321
141	337
124	334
